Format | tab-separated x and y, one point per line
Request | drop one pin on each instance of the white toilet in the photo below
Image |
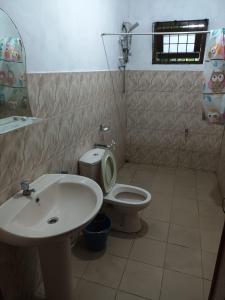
121	202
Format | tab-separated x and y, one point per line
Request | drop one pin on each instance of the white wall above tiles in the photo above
65	35
146	12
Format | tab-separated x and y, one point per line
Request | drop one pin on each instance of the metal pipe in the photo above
155	33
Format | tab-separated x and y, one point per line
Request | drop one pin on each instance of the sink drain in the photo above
53	220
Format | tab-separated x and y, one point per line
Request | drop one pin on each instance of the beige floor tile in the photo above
149	251
210	196
210	240
183	191
206	288
40	292
178	286
187	173
82	253
210	203
184	236
182	259
78	266
208	264
125	175
106	270
159	187
119	244
163	183
142	280
186	182
164	178
189	204
210	210
159	208
88	290
143	178
156	229
126	296
181	216
166	171
212	223
204	177
149	168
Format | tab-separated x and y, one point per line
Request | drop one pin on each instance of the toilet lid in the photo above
108	171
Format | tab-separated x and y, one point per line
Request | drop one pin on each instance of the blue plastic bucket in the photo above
96	232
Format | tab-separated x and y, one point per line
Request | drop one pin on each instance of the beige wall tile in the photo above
72	106
170	101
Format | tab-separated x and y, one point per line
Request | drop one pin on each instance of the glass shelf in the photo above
15	122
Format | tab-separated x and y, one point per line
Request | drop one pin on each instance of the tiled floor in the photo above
173	257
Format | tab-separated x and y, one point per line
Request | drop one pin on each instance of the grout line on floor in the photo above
200	236
125	267
164	263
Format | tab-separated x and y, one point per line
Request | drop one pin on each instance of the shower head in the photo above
128	27
132	27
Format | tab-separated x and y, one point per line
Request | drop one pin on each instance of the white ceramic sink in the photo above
60	204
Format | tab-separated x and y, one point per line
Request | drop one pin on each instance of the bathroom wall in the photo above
62	38
65	35
146	12
160	106
72	106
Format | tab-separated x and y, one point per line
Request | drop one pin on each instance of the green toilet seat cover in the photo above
108	171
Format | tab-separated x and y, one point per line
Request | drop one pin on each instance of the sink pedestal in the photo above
55	259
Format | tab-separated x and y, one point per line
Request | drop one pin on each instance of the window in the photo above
182	48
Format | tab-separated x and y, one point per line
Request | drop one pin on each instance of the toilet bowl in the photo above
121	202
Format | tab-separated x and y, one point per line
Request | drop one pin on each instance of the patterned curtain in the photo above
214	78
12	71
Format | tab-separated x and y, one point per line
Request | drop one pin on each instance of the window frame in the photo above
177	26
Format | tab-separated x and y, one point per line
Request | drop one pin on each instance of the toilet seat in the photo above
108	171
127	195
120	194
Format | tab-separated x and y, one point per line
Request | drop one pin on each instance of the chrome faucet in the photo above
25	187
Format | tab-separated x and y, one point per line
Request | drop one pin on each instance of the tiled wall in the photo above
72	106
160	106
